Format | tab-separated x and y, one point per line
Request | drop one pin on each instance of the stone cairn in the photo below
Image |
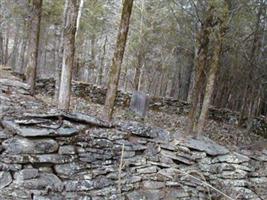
58	156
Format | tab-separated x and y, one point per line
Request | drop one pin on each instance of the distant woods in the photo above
210	53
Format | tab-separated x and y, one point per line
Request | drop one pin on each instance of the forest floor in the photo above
225	134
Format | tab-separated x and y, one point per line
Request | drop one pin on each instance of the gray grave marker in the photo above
139	103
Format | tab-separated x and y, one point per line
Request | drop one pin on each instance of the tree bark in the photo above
60	54
100	70
203	40
219	36
117	59
34	44
1	48
70	26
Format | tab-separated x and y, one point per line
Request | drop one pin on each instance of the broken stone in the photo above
5	179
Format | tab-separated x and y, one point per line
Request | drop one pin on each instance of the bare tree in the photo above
117	59
214	66
70	27
34	44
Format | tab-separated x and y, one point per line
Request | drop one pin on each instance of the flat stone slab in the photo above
142	130
39	132
20	145
234	158
206	145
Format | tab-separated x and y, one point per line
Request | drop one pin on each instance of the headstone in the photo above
139	103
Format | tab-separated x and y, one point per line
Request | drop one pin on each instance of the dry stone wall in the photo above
57	156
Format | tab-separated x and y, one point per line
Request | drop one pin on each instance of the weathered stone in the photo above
237	174
82	185
69	169
39	132
176	157
148	194
153	184
44	158
4	136
67	150
44	181
145	131
5	179
19	145
139	103
147	170
234	158
10	167
206	145
26	174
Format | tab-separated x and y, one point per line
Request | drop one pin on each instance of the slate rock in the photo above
37	159
26	174
234	158
39	132
206	145
142	130
19	145
5	179
44	181
69	169
67	150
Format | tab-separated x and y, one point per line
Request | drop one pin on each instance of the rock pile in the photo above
58	156
84	160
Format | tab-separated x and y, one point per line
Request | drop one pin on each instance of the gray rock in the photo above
206	145
153	184
67	150
144	195
69	169
78	185
26	174
34	146
174	156
10	167
39	132
145	131
3	135
147	170
36	159
44	181
234	158
5	179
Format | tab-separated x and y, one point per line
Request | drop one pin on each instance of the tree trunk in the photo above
209	86
6	47
70	25
34	44
100	70
203	40
1	48
117	59
219	36
60	54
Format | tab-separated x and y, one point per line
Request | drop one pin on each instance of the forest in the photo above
133	99
208	53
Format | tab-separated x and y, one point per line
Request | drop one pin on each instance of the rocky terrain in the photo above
52	155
